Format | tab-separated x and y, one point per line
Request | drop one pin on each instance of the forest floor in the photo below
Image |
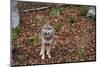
74	42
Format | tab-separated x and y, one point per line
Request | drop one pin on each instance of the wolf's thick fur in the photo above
47	36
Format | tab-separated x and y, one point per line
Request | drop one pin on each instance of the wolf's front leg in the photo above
42	52
48	48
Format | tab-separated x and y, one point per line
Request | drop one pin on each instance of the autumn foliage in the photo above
75	36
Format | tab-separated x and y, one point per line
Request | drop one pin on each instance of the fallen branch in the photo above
41	8
35	9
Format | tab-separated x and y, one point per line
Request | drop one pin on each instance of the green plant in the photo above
81	53
15	31
72	19
55	11
83	10
58	26
33	40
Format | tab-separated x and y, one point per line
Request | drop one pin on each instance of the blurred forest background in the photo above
75	32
